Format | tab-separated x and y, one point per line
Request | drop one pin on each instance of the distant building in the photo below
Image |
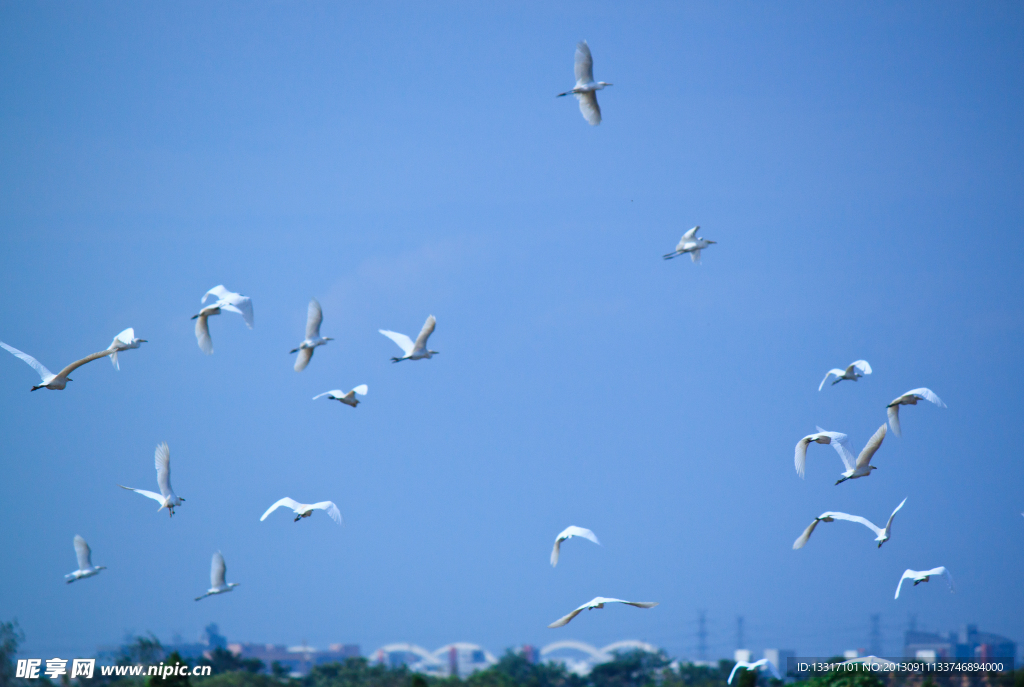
299	660
967	643
780	658
742	656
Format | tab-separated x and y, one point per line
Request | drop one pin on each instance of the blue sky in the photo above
859	166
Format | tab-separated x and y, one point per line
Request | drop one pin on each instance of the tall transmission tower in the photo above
876	635
740	643
702	635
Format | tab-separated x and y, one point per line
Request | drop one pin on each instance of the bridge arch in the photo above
627	644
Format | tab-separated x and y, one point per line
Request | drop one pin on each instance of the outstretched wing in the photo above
584	66
218	291
83	553
690	235
638	604
203	335
361	389
861	365
314	316
334	393
286	502
855	518
163	468
126	337
869	449
87	359
36	365
800	456
945	573
403	341
889	523
894	419
331	510
303	358
428	329
695	255
802	539
217	570
149	494
564	620
834	371
928	395
908	573
589	108
568	533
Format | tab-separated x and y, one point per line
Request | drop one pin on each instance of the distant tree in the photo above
356	672
174	659
11	637
635	668
279	670
689	675
144	650
223	661
240	678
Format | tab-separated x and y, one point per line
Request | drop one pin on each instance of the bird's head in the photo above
327	338
101	567
872	467
70	380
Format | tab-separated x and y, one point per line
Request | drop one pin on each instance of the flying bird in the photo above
122	342
881	534
417	350
919	576
599	602
348	398
690	243
49	380
85	566
226	300
217	584
763	663
863	467
840	442
232	302
853	371
166	498
568	533
314	316
909	399
304	510
586	88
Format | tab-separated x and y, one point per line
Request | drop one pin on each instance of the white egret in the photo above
909	399
417	350
227	300
586	88
231	301
304	510
763	663
599	602
840	442
122	342
346	397
217	572
690	243
853	371
314	316
166	498
568	533
85	566
52	381
863	467
881	534
919	576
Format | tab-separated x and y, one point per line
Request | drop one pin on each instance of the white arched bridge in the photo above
465	658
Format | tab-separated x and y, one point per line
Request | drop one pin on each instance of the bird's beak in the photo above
143	341
712	241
